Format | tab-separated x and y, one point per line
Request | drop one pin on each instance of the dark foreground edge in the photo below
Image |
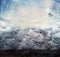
30	53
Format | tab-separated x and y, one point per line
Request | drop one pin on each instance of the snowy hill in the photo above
12	38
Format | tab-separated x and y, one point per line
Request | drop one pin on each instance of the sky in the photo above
31	13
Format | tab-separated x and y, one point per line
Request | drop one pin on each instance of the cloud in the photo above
57	1
29	13
55	10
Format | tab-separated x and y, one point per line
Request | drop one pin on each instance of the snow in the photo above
30	38
12	37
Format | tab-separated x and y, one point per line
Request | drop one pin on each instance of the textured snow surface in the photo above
30	38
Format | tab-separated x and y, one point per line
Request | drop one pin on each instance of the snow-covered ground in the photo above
12	37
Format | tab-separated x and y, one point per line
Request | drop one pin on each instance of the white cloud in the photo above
30	15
